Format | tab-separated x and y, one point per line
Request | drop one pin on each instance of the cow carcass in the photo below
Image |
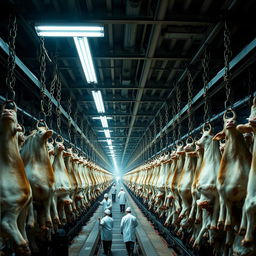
186	179
14	185
233	172
249	209
62	182
40	172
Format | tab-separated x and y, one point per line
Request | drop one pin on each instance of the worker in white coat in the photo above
128	225
106	224
113	192
122	199
106	203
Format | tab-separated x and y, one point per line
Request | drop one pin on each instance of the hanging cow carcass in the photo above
40	172
233	172
14	185
249	208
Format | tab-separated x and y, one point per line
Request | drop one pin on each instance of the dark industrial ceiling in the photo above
148	47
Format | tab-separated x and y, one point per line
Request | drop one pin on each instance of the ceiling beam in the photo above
122	101
121	115
117	88
127	57
184	20
154	36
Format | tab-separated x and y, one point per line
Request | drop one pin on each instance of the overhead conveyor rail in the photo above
37	83
235	66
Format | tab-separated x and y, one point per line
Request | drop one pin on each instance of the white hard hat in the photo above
128	209
107	211
121	188
106	195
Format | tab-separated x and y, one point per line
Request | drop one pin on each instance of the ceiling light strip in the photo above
85	57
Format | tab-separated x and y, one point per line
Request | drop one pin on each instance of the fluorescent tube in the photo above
104	121
70	31
85	57
98	101
107	133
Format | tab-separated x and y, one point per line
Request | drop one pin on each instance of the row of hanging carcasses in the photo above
42	184
206	188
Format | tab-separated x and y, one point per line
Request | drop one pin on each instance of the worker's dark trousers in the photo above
113	197
122	207
130	247
107	247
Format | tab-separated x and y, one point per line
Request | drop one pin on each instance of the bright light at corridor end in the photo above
70	31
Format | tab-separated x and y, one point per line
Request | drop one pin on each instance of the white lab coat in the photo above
106	224
128	225
113	190
122	197
106	204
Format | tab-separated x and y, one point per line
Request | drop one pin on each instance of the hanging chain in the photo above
42	61
205	65
174	123
10	79
69	119
75	119
227	58
52	90
155	148
178	97
82	131
190	96
150	145
149	141
166	122
58	98
161	130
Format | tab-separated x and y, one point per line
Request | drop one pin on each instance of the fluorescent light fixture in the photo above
70	31
85	56
107	133
109	142
98	118
104	121
97	97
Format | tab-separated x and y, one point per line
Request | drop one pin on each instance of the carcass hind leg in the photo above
216	209
10	227
228	216
222	213
47	212
21	221
31	216
243	224
55	215
248	239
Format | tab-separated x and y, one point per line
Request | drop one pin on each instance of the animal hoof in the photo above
197	221
44	227
49	224
203	204
23	250
56	221
246	243
241	232
220	225
227	227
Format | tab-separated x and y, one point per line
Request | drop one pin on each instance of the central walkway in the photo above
118	246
